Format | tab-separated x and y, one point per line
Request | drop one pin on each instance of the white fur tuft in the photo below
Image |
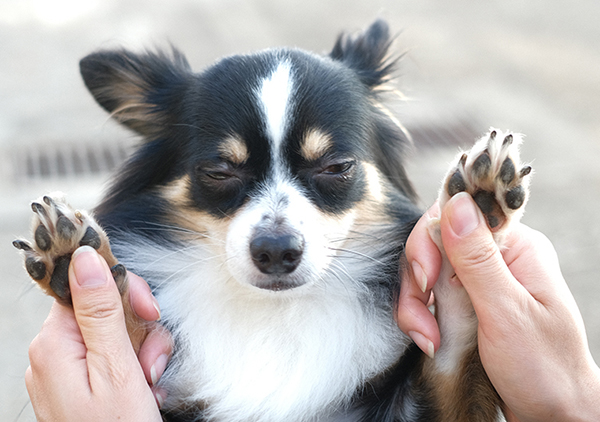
262	355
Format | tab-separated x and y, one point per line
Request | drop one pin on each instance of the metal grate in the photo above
66	160
452	134
54	160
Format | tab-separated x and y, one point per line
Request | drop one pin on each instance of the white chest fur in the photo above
273	356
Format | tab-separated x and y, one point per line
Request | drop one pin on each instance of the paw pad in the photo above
58	232
489	173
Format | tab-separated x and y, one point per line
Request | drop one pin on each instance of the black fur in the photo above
183	116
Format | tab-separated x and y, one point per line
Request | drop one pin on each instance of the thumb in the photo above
474	255
97	304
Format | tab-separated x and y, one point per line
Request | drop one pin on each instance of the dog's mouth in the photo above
278	285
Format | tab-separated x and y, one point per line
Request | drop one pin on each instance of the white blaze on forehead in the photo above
274	96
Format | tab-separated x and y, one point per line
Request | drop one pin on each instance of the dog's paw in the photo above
491	172
58	230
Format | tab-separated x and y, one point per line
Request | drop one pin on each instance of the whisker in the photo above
160	226
341	273
170	254
185	267
176	229
358	254
335	268
166	280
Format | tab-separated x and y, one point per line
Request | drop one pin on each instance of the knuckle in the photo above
120	377
541	240
35	351
29	378
101	309
478	254
41	348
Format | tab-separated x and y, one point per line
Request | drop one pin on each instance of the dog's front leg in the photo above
58	230
493	175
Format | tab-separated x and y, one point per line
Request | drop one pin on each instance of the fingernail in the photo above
423	342
420	276
156	306
88	268
158	368
159	400
464	217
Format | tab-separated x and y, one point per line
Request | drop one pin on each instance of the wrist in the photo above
583	404
587	408
579	402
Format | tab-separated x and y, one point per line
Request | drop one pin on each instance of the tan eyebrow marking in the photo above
234	149
315	144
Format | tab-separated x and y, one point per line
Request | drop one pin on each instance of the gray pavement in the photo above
533	67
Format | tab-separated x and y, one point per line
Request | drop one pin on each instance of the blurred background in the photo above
532	67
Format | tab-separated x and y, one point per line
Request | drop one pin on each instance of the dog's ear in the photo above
367	54
142	91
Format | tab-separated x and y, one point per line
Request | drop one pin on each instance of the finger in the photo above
532	259
99	313
29	384
57	349
141	298
41	411
509	415
160	394
155	354
413	315
422	254
475	256
57	345
415	319
96	300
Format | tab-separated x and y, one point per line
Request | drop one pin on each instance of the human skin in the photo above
532	340
531	336
82	364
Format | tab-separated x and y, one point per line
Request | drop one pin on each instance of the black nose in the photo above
277	254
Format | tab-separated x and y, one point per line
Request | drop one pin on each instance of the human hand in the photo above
83	367
532	341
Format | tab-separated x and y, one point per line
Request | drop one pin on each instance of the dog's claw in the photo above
39	210
22	245
525	171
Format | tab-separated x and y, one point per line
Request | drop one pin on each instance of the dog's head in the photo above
276	157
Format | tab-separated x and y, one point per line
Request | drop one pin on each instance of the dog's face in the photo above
277	159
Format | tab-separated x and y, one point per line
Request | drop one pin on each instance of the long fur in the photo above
280	147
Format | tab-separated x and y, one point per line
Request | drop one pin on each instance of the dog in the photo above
268	208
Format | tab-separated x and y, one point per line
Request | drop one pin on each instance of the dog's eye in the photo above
222	171
219	186
338	168
219	175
